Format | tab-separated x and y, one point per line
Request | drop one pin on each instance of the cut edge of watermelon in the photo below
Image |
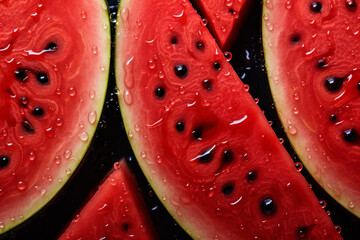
135	141
301	140
80	150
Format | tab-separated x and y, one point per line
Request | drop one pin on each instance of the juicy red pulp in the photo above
198	134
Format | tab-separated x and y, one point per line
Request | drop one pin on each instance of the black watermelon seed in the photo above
350	5
301	232
197	133
125	226
315	7
38	112
28	126
180	126
159	92
295	38
251	176
51	46
228	156
4	161
42	78
350	135
333	84
321	64
217	66
174	40
200	45
333	117
227	189
207	84
206	156
180	70
268	207
24	102
21	75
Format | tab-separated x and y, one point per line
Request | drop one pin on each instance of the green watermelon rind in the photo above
285	113
78	151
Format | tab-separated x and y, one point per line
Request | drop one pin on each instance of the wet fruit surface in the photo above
315	83
46	95
110	144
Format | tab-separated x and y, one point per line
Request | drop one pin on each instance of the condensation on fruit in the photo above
21	185
67	154
83	15
92	117
127	97
83	136
94	50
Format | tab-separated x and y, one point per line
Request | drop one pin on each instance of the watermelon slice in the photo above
54	61
201	140
224	18
312	58
116	211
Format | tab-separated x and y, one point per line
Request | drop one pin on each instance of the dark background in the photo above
110	144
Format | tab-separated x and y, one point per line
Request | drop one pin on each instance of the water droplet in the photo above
295	110
270	26
92	117
182	90
102	68
92	95
151	64
281	140
136	128
204	21
2	225
68	171
351	205
223	29
338	229
72	91
59	122
322	203
83	15
50	178
228	55
292	130
94	50
58	91
128	97
298	166
138	22
296	96
130	134
21	185
247	87
57	160
113	17
84	136
105	26
67	154
32	156
117	165
161	74
288	5
143	154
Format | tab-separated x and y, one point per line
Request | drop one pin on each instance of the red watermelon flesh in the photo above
54	61
224	18
201	140
312	57
116	211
